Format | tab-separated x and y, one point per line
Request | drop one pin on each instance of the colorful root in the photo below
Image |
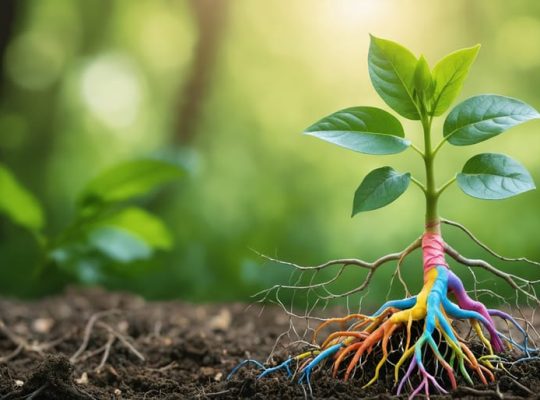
413	336
346	350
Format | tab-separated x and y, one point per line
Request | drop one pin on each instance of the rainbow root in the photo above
436	355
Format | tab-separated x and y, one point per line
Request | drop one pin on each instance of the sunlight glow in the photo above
353	12
111	89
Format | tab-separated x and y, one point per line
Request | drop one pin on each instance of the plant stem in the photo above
418	183
432	216
417	150
445	186
438	147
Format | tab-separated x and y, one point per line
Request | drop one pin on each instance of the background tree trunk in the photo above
210	17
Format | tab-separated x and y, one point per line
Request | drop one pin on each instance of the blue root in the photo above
457	313
531	352
399	304
245	362
306	373
266	371
284	364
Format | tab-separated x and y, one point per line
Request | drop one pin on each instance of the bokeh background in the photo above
226	87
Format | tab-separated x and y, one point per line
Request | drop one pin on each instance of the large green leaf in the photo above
494	176
379	188
449	74
143	224
391	68
482	117
128	180
363	129
18	203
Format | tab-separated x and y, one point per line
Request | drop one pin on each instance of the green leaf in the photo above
129	235
379	188
391	68
119	244
423	82
363	129
128	180
18	203
144	225
482	117
449	75
494	176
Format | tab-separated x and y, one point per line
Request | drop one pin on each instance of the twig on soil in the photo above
23	344
122	338
12	355
29	396
167	367
496	394
90	354
88	332
519	385
11	336
214	393
106	352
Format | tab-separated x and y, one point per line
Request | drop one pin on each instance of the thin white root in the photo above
88	332
485	247
23	345
344	262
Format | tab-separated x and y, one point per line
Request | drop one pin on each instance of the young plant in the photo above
432	357
108	228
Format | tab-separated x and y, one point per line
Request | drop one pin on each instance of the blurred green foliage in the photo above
107	229
86	85
19	204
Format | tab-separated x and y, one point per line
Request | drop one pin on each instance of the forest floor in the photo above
95	345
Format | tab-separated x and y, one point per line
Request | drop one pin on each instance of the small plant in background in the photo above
108	228
416	336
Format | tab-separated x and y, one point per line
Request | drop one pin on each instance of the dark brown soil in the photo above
188	351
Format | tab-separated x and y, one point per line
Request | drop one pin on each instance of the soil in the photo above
96	345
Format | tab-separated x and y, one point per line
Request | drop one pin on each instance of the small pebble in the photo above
42	325
83	380
222	321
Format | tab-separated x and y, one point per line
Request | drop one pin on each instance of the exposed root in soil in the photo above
23	345
105	350
54	373
436	357
94	322
190	349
